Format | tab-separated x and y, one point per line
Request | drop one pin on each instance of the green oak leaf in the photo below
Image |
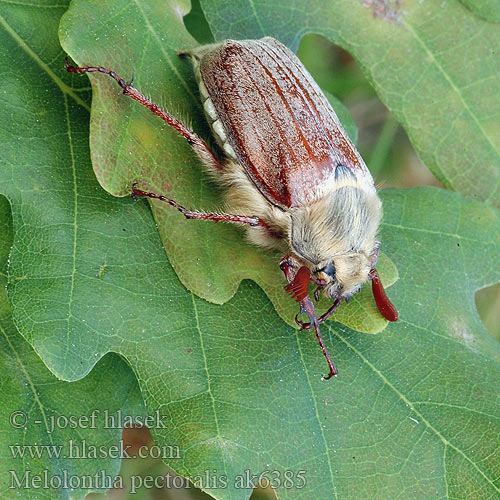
414	410
129	144
36	427
487	9
197	25
5	245
433	64
44	420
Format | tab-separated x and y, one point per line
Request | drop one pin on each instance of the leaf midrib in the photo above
316	413
494	147
62	86
209	387
31	385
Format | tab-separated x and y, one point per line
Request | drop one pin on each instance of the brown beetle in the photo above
290	171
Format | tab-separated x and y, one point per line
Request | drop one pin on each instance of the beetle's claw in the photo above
134	194
333	373
303	325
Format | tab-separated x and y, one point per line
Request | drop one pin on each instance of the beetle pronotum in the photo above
290	171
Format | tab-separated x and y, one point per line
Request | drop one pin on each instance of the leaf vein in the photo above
65	89
403	398
315	403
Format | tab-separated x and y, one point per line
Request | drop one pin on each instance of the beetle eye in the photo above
329	269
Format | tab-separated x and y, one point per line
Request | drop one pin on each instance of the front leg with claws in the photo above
287	265
307	326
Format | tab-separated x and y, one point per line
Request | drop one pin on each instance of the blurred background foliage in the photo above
393	162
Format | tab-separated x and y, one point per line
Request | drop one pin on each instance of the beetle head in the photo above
336	238
344	275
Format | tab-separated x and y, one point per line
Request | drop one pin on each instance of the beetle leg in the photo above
330	311
303	325
307	307
199	146
307	326
189	214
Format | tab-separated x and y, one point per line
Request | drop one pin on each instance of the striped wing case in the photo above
282	128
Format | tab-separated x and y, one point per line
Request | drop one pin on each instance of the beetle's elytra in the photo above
291	173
